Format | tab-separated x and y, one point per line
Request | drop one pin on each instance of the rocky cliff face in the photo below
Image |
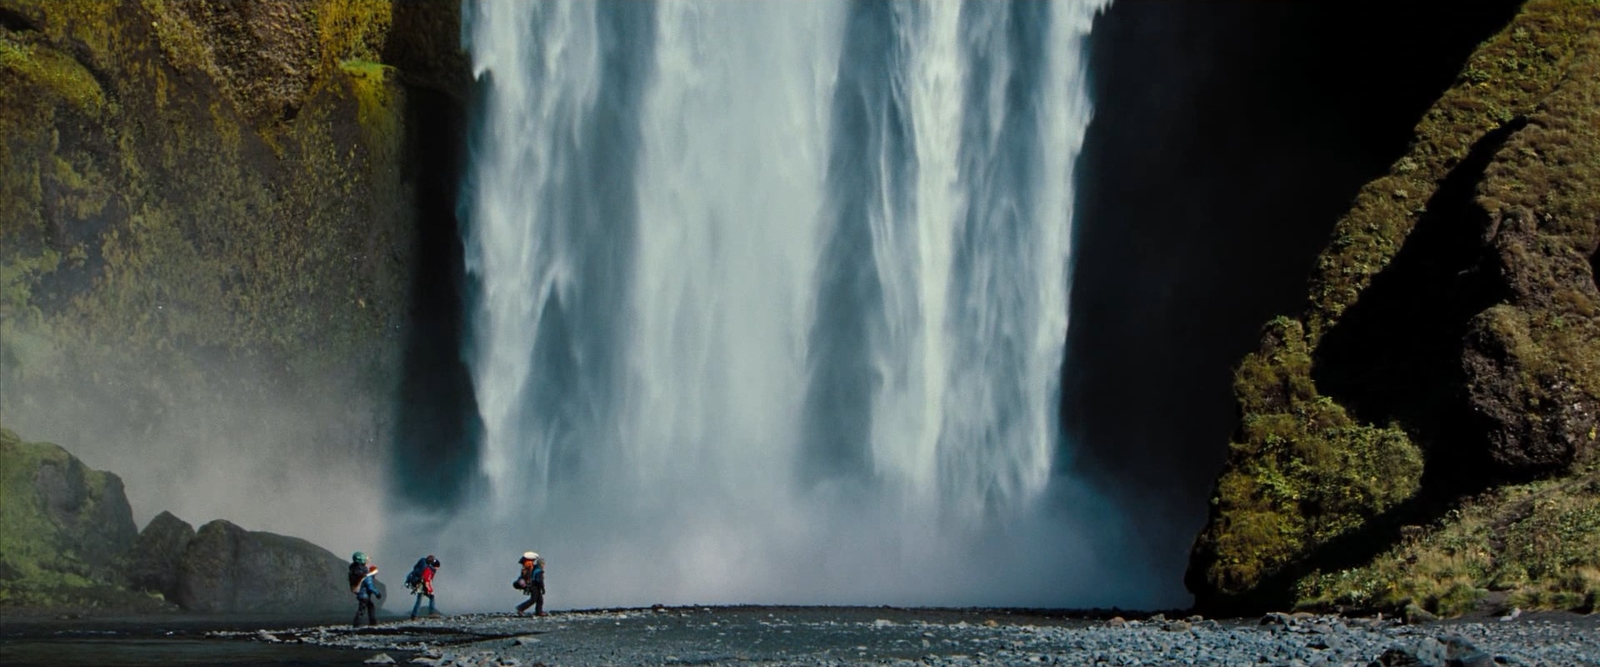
1436	404
207	234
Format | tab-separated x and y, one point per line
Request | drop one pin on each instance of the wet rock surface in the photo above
884	636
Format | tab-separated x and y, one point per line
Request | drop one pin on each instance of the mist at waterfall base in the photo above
767	305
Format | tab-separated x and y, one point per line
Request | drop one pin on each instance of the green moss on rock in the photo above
1531	546
1510	159
66	526
43	68
1509	76
1302	473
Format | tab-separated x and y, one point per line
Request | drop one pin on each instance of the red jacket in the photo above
427	580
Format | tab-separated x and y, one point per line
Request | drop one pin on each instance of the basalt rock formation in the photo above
1423	435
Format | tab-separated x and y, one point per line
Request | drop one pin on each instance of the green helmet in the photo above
359	557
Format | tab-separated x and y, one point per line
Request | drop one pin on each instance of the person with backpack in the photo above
362	576
531	583
420	583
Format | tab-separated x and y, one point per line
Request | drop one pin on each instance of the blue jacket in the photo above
367	591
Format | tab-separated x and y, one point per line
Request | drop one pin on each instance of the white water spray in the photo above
770	299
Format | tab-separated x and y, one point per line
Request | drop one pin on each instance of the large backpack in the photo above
414	580
358	571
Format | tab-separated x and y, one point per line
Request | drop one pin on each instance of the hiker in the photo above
531	583
361	583
420	581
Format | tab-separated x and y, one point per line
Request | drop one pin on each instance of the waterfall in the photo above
769	299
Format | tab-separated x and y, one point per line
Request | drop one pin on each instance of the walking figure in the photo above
531	583
420	582
361	583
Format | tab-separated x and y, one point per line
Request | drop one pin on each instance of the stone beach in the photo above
831	636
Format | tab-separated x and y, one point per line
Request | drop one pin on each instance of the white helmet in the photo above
530	555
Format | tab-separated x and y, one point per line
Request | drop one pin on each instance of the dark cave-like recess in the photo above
1227	140
435	452
1594	268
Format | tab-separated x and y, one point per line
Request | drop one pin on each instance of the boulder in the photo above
1453	651
152	564
60	514
1535	414
88	507
226	568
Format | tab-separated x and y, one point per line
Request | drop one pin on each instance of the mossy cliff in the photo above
206	233
65	527
1439	398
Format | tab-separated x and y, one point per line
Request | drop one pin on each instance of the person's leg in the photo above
418	605
372	612
357	622
432	610
538	603
524	606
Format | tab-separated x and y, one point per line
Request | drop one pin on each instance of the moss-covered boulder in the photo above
152	564
226	568
63	529
1451	344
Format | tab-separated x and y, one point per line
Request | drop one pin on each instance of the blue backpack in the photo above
414	580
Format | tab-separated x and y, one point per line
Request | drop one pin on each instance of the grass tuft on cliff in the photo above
1529	546
376	95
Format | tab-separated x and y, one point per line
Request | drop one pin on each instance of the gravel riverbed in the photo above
825	636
